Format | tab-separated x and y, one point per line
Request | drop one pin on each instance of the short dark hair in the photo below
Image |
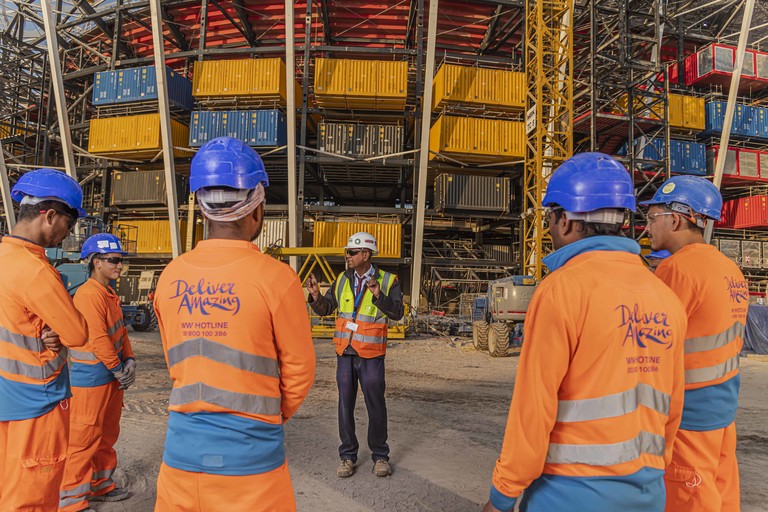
689	224
592	228
28	212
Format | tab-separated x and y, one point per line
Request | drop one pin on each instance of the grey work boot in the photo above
115	494
346	469
382	468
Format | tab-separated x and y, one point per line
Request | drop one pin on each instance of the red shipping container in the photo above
750	212
731	161
713	65
726	215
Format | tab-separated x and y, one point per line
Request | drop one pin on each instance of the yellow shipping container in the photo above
693	113
512	88
483	89
366	84
452	83
492	87
389	237
154	236
477	138
255	78
134	136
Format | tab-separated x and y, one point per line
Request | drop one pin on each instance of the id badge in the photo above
352	326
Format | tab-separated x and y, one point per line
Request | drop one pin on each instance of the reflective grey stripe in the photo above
34	372
346	316
610	406
103	485
721	339
708	373
607	454
90	356
112	330
386	282
368	339
64	502
241	402
341	334
208	349
25	342
104	473
340	284
77	491
372	319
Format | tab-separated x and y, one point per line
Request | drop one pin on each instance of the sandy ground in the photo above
447	410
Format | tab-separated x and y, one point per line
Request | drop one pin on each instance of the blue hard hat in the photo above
50	183
101	243
588	182
659	255
699	194
227	162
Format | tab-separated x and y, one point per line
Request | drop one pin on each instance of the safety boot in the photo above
382	468
346	469
115	494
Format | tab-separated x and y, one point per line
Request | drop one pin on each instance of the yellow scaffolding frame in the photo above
315	257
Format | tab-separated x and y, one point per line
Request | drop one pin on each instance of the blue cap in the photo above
590	181
659	255
53	184
101	243
699	194
227	162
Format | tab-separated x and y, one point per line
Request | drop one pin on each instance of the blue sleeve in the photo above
502	502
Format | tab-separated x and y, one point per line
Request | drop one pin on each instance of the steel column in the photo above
158	45
419	204
5	191
290	93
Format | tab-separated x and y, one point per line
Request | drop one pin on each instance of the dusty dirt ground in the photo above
447	410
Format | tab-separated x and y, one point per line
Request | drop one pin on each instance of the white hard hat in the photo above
363	240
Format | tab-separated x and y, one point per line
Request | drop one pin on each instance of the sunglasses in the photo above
72	218
353	252
115	260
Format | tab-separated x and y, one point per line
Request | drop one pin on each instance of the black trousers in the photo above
350	370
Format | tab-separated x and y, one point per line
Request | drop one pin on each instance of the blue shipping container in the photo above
746	120
694	158
140	84
259	128
762	122
684	157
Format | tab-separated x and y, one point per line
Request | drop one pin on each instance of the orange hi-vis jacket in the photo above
108	345
599	388
33	379
716	297
239	349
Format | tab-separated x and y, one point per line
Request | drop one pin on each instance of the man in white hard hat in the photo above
366	299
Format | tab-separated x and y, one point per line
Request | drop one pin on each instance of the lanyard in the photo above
358	299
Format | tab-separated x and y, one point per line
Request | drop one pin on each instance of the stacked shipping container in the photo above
350	84
258	128
139	84
360	140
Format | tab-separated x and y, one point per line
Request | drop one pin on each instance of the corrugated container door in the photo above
715	116
750	254
676	111
696	159
693	113
454	84
748	163
484	87
764	164
487	137
511	88
205	76
361	80
330	83
392	85
513	138
268	77
677	154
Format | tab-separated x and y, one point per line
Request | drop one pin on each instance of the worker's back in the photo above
238	346
605	338
33	379
716	298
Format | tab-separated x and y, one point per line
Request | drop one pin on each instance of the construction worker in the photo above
656	257
599	388
100	371
366	299
703	474
238	347
37	320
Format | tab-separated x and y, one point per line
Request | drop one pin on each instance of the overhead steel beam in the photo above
490	33
234	23
147	26
326	21
34	18
507	32
57	83
176	32
412	15
419	203
165	125
86	8
250	34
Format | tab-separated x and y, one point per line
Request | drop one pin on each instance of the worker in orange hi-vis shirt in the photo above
599	388
37	317
703	475
238	345
100	372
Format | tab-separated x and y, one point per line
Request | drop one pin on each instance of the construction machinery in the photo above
501	313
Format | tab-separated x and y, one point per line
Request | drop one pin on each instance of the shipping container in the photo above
731	161
750	254
274	233
685	157
731	249
713	65
476	193
469	85
764	165
746	120
361	84
134	188
259	128
765	256
389	237
686	112
154	236
135	137
500	253
748	163
477	139
360	140
244	78
762	122
139	84
746	212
